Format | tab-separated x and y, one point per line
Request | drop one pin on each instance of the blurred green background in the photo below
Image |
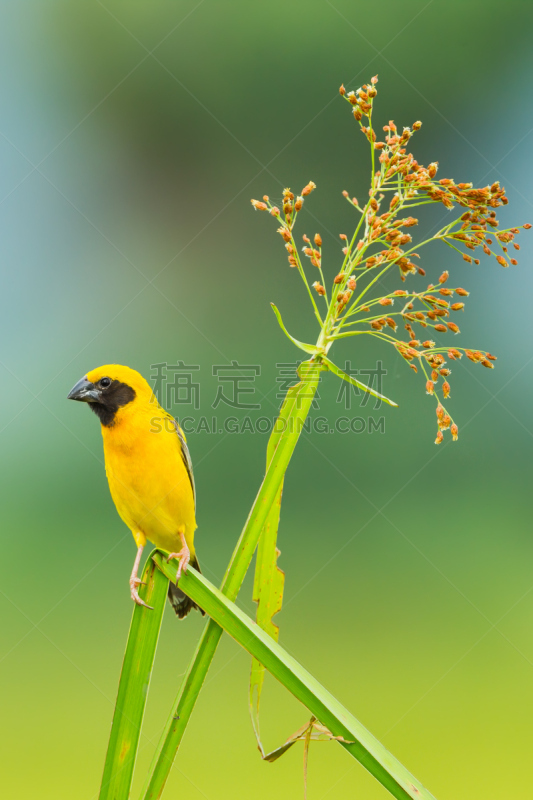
132	136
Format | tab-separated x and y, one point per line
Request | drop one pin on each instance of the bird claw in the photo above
183	558
134	582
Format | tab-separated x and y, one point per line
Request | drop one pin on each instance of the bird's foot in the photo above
183	558
134	583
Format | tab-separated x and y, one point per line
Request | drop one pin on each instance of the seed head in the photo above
454	354
454	430
259	205
478	224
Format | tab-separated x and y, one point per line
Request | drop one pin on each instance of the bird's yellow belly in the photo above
153	496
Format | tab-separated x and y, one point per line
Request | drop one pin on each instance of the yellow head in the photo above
110	390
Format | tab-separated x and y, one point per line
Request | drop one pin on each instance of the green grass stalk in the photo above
287	431
353	736
133	687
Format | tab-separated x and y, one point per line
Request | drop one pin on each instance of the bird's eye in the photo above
105	382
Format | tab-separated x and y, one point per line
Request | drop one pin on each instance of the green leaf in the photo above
269	580
283	440
133	686
312	730
345	377
307	348
356	740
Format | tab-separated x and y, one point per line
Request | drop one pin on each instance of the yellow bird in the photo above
148	468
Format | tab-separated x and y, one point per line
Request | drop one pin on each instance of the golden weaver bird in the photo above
148	468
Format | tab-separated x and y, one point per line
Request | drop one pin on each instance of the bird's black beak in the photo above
84	391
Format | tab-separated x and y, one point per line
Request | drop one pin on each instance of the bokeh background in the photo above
132	136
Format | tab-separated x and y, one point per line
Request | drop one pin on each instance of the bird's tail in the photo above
179	601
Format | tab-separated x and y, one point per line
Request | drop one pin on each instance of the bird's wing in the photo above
186	456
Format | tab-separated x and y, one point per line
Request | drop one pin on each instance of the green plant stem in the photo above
372	151
133	686
356	739
269	583
287	431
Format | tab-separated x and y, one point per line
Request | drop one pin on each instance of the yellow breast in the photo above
148	477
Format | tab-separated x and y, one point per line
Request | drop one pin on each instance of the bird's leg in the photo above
184	556
135	581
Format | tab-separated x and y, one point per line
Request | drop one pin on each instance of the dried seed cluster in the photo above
383	240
